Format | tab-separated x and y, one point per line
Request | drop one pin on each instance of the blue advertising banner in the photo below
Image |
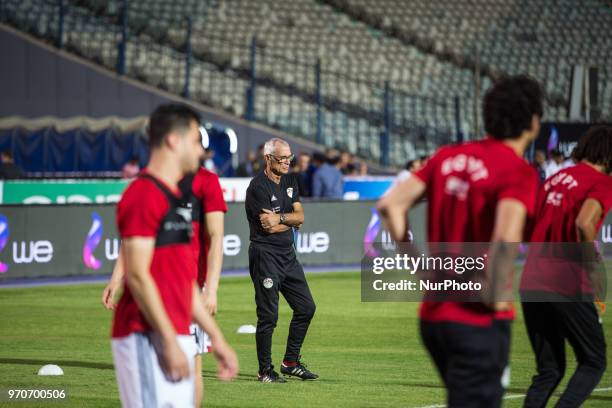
366	188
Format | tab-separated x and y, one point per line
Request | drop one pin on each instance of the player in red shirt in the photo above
208	209
572	205
480	191
151	336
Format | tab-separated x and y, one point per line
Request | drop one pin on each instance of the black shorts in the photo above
471	360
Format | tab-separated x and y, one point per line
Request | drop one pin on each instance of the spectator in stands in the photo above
131	168
351	170
261	159
571	160
294	167
302	164
539	162
249	167
295	172
361	166
346	159
317	161
303	161
410	167
555	163
331	153
8	169
209	164
328	181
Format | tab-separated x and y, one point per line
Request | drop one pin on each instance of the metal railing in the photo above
352	111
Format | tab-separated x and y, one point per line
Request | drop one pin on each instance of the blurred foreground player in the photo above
273	207
204	195
208	210
152	346
480	191
572	205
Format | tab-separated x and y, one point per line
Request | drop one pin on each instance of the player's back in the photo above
561	198
558	268
465	183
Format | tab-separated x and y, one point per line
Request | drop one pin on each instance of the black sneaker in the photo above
270	376
299	371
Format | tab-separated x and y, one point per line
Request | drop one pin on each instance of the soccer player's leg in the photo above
477	364
200	340
585	334
548	344
198	383
127	369
297	293
265	278
142	382
179	394
433	340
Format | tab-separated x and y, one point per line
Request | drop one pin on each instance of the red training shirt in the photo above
464	185
207	190
559	202
140	213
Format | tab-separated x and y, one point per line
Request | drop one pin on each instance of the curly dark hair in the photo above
595	146
509	106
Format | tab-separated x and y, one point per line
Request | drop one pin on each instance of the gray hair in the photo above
270	144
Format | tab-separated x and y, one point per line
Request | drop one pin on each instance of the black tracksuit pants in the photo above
275	270
548	326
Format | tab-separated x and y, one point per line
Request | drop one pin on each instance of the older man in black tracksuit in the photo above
273	209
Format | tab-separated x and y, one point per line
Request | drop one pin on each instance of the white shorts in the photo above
142	383
202	341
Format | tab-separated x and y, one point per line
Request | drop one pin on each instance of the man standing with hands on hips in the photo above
273	209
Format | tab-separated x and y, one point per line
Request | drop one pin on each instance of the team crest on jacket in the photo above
290	192
268	283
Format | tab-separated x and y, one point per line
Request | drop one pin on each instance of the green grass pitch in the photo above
367	354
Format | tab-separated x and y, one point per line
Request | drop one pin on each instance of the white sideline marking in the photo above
515	396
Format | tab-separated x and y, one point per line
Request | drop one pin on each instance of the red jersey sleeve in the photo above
141	209
521	185
602	192
210	193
